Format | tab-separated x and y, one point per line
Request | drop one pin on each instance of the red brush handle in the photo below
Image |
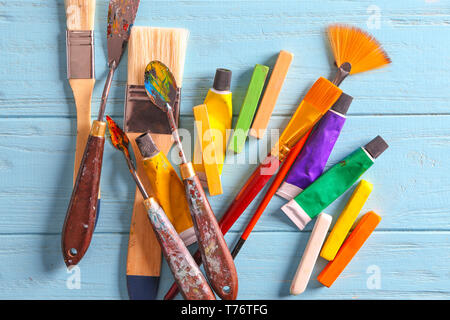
249	191
275	184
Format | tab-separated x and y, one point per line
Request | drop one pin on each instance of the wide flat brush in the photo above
186	272
140	116
161	88
82	210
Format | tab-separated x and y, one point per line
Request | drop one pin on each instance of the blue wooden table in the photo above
407	103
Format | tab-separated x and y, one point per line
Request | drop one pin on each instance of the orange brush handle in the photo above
275	184
349	248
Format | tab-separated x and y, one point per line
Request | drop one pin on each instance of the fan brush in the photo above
354	51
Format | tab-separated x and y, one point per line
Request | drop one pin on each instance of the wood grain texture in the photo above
265	271
144	251
82	92
407	103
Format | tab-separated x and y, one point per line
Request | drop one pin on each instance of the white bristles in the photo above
80	14
167	45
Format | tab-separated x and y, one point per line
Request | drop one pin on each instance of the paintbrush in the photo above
317	101
322	95
81	69
141	116
186	272
161	88
81	213
270	192
354	51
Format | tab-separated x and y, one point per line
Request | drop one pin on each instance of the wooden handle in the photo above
187	274
144	252
249	191
81	214
173	291
219	265
82	92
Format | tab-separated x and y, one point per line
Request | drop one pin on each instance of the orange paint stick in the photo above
349	248
271	94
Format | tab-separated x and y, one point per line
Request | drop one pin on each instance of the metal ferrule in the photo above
98	129
151	204
342	73
280	151
80	54
187	170
141	115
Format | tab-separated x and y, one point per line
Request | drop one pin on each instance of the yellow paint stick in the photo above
219	105
209	155
346	220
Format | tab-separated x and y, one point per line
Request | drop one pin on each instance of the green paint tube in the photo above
333	183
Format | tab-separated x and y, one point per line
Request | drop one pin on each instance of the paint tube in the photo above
313	158
167	188
333	183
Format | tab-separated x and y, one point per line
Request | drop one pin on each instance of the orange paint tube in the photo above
349	248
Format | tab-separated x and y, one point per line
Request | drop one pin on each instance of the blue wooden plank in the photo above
32	268
414	33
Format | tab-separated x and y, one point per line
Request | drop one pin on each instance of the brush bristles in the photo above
357	47
80	14
166	45
323	94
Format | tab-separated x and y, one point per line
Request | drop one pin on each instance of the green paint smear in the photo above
333	183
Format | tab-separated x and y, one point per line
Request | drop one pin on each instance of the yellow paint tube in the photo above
346	220
167	188
220	113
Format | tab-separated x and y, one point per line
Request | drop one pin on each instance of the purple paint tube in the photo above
311	161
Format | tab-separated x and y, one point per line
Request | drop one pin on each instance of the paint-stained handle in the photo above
219	265
173	291
249	191
81	213
187	274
